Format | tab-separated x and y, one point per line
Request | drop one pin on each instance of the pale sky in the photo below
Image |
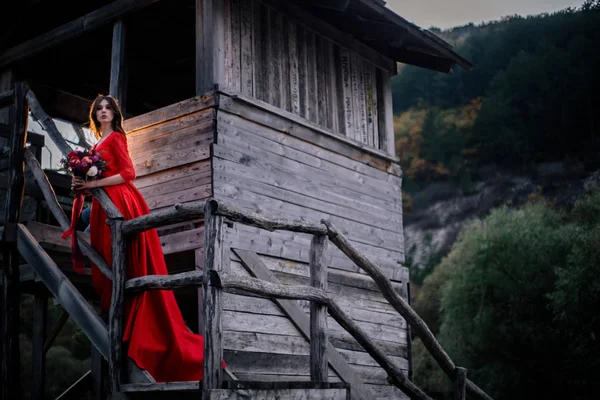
450	13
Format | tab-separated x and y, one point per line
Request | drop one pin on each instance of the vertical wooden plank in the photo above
286	100
117	306
11	365
331	86
302	70
275	30
265	46
346	94
294	73
369	102
385	116
460	392
358	95
311	77
118	74
375	108
319	365
323	117
236	42
38	355
257	72
213	333
226	4
199	266
210	46
246	68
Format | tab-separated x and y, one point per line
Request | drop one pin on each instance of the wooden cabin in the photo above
283	108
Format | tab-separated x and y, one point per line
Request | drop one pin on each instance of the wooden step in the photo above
241	390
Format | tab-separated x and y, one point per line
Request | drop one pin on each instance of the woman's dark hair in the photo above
117	122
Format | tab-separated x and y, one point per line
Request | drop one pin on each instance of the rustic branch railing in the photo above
215	282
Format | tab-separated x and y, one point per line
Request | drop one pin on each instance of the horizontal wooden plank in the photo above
284	121
169	112
167	128
169	157
49	237
191	194
277	394
364	194
295	247
231	179
296	149
174	185
170	175
299	377
195	135
385	392
182	241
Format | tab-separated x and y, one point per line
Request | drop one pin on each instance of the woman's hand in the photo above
78	183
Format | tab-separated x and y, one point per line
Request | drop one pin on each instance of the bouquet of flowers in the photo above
85	164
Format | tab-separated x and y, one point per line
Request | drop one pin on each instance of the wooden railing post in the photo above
461	384
9	331
212	307
319	366
117	305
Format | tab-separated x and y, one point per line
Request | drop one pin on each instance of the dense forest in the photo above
531	98
515	300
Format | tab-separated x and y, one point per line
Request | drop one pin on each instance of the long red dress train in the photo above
159	340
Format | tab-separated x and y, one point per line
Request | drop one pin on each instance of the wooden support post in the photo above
199	267
11	366
118	68
319	366
461	384
117	305
6	78
212	307
385	113
210	43
38	358
98	371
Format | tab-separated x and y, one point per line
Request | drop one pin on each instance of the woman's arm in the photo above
79	184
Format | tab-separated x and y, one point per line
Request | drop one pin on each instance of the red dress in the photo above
159	340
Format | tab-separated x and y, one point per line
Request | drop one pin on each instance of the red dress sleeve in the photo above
122	158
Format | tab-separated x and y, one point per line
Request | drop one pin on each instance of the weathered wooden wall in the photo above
272	171
170	150
272	56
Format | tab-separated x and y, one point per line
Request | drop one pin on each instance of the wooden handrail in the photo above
177	213
227	283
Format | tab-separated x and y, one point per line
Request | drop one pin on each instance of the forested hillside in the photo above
532	98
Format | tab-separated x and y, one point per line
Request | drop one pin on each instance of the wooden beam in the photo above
461	384
38	356
246	217
212	301
61	104
6	82
108	14
98	372
35	139
319	366
167	216
117	305
7	98
61	288
337	5
10	374
165	282
118	73
257	269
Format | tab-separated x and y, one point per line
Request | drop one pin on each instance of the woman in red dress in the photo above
157	337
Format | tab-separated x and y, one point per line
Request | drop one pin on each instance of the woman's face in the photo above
104	113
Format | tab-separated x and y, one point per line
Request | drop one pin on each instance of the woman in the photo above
158	339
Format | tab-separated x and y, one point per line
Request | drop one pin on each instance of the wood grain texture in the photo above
117	307
246	43
118	75
277	394
212	301
319	365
